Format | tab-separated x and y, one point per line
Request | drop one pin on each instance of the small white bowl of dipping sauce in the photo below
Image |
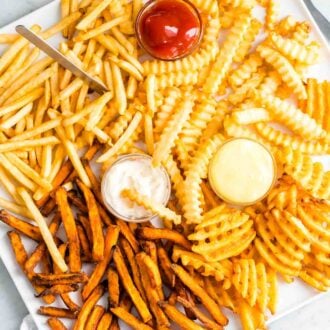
134	171
242	171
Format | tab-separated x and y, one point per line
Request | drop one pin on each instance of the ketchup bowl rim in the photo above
189	51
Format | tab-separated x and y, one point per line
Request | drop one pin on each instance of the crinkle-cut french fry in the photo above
290	116
172	130
287	140
251	116
48	238
209	7
197	262
151	205
131	128
206	300
311	176
202	113
272	9
245	70
224	59
197	170
285	69
301	32
294	50
176	79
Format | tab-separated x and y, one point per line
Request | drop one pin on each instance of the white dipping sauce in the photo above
134	172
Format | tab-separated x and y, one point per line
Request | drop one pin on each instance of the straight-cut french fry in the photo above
46	235
27	144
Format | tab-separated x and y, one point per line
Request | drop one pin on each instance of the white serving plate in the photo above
291	297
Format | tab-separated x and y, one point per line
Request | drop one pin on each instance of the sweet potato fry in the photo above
162	233
68	302
87	226
130	319
70	229
175	315
55	324
113	287
127	233
96	187
58	289
105	322
206	300
207	322
87	307
18	247
152	293
149	247
111	239
91	152
66	278
84	243
65	170
57	312
21	226
95	221
48	207
165	265
76	201
131	258
129	286
94	318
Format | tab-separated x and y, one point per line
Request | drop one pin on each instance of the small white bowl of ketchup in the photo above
169	29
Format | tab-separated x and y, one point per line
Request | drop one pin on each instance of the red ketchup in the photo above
169	29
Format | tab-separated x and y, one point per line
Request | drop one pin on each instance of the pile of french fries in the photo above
54	131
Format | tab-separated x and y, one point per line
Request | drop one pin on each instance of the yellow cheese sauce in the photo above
242	171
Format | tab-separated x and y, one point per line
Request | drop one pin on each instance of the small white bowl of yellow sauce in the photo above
242	171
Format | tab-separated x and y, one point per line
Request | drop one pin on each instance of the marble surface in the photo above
314	316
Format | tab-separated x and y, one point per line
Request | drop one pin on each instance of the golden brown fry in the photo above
56	324
87	307
57	312
113	287
129	286
53	279
94	318
95	221
105	322
207	322
22	226
111	239
130	319
84	243
70	229
165	265
206	300
175	315
160	233
18	247
58	289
